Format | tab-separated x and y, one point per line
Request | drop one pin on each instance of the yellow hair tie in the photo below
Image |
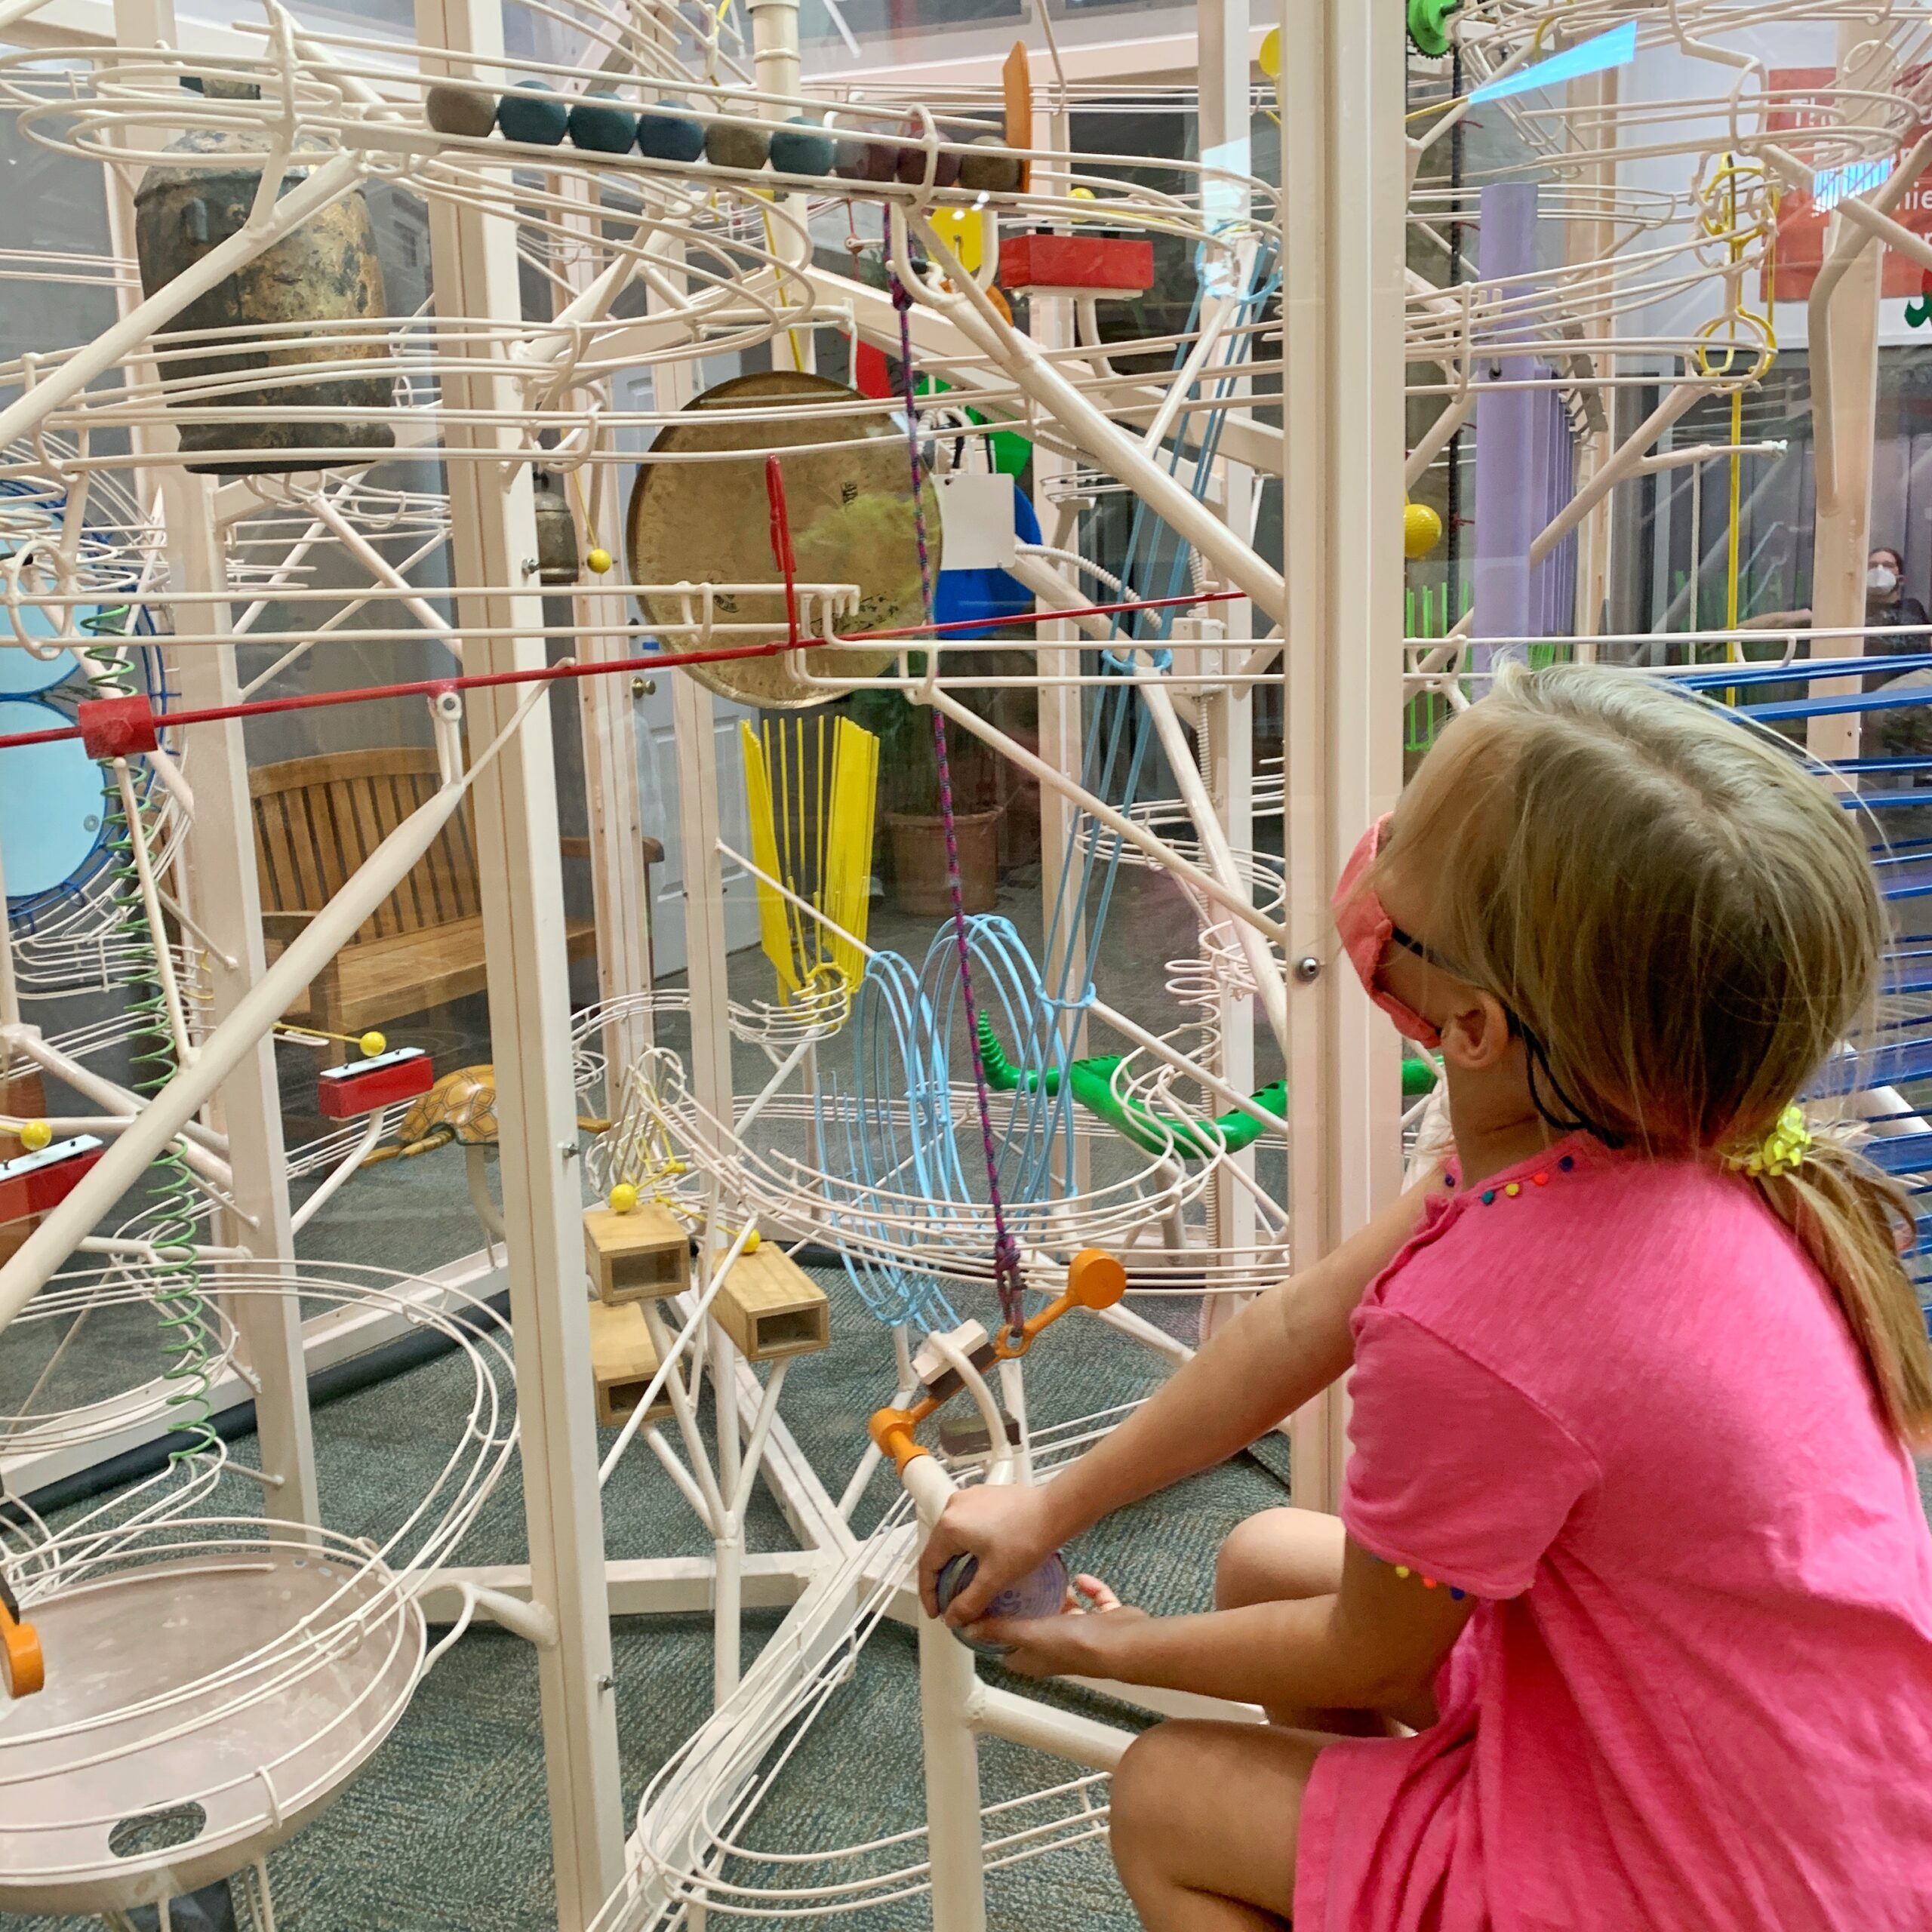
1784	1147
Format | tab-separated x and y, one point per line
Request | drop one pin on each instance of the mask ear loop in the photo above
1539	1063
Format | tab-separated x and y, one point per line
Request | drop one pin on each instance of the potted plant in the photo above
909	807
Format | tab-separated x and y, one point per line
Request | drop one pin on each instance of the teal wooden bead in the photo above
598	122
533	112
801	146
669	132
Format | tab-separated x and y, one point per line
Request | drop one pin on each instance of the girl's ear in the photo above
1477	1035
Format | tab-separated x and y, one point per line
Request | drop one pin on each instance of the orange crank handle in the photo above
1094	1279
22	1669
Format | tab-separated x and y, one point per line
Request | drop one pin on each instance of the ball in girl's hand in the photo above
36	1134
623	1197
1042	1593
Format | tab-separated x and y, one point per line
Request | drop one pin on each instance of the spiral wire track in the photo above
172	1217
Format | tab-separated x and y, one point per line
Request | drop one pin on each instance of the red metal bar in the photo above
657	661
781	545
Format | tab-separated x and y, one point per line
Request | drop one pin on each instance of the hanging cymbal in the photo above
850	511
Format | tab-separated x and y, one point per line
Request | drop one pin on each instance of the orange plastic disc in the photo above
20	1661
1095	1279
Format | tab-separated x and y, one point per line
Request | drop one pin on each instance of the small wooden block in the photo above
637	1256
622	1361
771	1308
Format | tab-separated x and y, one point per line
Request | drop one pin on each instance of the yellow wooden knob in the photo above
623	1197
1270	55
599	560
1422	530
372	1043
36	1134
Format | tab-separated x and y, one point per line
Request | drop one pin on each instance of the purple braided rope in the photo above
1007	1278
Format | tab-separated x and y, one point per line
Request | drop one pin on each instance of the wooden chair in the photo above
316	820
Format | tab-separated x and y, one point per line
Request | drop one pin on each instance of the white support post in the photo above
1849	346
493	522
1063	732
947	1685
706	956
1227	731
247	1110
1342	504
607	713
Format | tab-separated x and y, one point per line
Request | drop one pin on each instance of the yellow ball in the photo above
372	1043
36	1134
599	560
1270	55
623	1197
675	1168
1422	530
750	1242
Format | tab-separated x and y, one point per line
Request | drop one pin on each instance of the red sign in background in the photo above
1800	225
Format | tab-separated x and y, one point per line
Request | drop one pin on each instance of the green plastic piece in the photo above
1428	25
1091	1081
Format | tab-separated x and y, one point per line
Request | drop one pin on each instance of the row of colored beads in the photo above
1429	1582
1514	1188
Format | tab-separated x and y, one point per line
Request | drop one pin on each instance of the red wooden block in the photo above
363	1086
31	1183
1118	264
869	377
114	727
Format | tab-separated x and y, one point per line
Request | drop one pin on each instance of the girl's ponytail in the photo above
1854	1222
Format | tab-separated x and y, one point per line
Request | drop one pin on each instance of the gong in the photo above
850	508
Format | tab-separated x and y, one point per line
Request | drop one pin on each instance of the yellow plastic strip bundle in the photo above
773	919
847	898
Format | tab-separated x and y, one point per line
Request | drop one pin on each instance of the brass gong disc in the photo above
850	511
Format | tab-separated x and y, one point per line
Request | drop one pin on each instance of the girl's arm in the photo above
1375	1645
1284	1348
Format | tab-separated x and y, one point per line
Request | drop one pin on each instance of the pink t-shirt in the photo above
1612	1399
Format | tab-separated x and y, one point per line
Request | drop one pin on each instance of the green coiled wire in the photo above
171	1225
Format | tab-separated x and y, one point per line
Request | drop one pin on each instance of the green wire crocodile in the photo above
1091	1081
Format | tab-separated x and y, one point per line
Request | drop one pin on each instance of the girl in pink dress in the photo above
1626	1625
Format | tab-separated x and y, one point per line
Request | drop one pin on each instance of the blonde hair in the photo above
1686	924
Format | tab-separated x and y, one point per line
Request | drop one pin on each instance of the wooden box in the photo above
771	1308
622	1361
637	1256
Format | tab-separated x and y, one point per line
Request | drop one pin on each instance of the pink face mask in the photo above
1367	930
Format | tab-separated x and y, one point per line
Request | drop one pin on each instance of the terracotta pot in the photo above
918	862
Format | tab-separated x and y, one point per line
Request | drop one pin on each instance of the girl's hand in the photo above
1082	1642
1007	1526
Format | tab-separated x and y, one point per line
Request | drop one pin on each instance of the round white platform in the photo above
196	1712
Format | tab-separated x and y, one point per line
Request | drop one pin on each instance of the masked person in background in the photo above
1887	610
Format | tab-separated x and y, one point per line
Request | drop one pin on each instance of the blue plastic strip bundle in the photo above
1899	1050
1146	532
896	1127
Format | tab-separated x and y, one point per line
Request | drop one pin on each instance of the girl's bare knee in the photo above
1140	1817
1276	1555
